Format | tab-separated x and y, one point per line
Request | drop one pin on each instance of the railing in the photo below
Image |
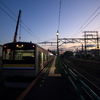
77	83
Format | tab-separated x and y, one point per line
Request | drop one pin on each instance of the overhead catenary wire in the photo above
87	24
16	21
8	9
36	37
91	15
31	31
8	14
97	28
59	16
83	27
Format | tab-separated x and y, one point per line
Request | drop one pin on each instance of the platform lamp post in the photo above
57	34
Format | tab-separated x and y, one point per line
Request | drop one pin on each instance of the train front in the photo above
18	59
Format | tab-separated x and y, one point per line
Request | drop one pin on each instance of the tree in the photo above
68	54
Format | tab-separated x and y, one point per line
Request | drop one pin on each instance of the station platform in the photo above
49	87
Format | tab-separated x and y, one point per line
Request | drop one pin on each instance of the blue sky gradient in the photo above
41	18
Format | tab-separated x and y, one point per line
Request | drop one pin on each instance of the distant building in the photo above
95	52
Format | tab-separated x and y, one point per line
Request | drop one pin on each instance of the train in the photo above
24	59
0	57
0	51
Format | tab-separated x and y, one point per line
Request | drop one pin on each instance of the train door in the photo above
41	60
18	54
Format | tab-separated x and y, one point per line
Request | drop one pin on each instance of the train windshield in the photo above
18	54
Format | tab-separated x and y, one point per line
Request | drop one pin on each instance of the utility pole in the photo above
85	44
98	45
57	34
86	38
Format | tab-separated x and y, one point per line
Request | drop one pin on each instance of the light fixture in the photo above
57	33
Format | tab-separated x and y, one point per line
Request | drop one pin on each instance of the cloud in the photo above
73	47
90	45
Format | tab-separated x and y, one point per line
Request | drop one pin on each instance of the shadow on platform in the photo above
53	88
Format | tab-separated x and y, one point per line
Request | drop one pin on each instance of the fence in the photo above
77	83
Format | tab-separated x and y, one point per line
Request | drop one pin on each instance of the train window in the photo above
18	55
8	55
24	55
45	57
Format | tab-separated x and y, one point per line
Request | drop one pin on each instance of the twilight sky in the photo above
40	19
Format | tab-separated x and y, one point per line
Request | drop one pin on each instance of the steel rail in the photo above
80	83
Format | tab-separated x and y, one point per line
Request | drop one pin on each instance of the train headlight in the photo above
22	45
17	45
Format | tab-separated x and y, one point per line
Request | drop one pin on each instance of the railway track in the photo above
90	70
84	69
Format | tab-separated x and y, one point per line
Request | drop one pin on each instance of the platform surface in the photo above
50	87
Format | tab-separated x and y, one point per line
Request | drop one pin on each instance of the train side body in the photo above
0	57
23	59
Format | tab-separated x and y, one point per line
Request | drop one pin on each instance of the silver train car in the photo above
23	59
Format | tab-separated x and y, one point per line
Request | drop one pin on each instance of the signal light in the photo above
8	49
32	45
5	46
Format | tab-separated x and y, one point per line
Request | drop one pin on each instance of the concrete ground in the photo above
50	87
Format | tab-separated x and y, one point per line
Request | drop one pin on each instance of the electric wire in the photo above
87	24
97	28
8	9
38	39
91	16
28	32
8	14
31	31
59	15
80	29
21	25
